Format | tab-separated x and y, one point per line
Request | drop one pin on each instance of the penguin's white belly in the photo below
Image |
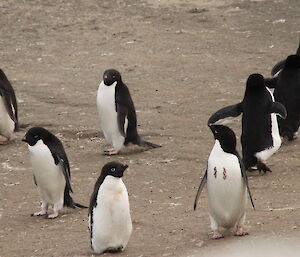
49	177
226	190
112	224
267	153
108	116
7	125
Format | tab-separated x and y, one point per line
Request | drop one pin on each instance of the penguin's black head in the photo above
115	169
35	134
110	76
225	136
293	61
255	81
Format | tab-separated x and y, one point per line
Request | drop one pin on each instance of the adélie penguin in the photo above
8	109
279	66
227	184
260	134
117	113
287	92
51	171
109	213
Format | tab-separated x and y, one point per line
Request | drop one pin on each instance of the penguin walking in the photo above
51	171
260	134
117	113
287	92
227	184
109	214
8	109
279	66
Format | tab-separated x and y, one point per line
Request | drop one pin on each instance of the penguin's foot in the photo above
52	216
40	213
263	167
240	232
108	150
6	142
111	152
217	235
114	249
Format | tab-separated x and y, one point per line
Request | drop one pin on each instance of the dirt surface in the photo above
182	60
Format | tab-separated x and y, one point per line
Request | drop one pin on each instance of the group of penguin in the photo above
109	219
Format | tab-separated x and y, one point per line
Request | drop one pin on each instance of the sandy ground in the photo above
182	60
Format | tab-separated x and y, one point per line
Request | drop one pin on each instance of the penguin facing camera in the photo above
117	114
110	223
227	184
51	171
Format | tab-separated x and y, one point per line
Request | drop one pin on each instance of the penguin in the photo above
8	109
279	66
227	184
117	113
287	92
260	135
51	171
109	218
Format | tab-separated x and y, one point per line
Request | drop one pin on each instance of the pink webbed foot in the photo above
240	232
40	213
52	216
6	142
111	152
217	235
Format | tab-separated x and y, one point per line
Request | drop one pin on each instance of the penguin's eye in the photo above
114	77
112	169
36	136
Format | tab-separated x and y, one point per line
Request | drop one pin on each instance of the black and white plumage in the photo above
260	135
8	109
117	113
279	66
287	92
109	213
227	184
51	171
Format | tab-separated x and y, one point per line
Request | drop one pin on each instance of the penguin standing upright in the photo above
279	66
287	92
117	113
8	109
227	184
260	136
51	171
109	214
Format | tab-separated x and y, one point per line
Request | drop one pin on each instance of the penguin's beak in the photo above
125	167
24	139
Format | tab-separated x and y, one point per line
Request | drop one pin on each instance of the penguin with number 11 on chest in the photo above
227	184
117	114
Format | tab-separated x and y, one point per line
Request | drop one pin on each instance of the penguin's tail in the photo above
80	205
148	144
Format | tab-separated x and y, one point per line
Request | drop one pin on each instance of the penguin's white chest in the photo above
225	187
112	224
108	115
267	153
49	177
7	125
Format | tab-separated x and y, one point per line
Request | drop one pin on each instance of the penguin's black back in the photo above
256	120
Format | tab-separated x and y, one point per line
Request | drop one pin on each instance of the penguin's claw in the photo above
263	167
240	232
52	216
217	235
37	214
113	152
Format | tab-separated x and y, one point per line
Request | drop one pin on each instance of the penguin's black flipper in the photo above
245	178
202	184
271	82
228	111
278	67
279	109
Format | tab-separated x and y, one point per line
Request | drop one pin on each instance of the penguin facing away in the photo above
51	171
117	114
227	184
260	135
109	213
287	92
279	66
8	109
